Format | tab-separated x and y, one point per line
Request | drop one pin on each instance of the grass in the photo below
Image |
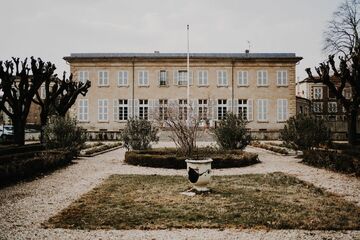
271	201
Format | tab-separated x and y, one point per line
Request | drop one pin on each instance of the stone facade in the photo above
262	85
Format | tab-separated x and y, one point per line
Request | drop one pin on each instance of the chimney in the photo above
247	51
157	52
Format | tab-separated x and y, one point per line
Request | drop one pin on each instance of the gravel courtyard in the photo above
23	207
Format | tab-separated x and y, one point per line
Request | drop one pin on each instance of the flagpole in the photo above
188	76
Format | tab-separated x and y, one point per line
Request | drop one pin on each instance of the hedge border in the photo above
169	159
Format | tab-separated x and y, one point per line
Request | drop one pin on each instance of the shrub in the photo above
304	132
270	148
332	160
168	158
63	132
138	134
232	133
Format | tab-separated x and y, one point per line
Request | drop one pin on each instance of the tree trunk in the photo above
19	131
43	122
352	121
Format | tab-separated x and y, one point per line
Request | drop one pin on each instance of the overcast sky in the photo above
52	29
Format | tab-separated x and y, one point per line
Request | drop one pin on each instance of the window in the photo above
242	108
103	78
83	110
317	107
222	78
42	92
182	109
347	93
102	109
262	78
332	107
262	109
318	92
163	78
243	78
163	109
282	110
203	78
143	109
282	78
203	108
83	76
123	78
221	113
143	78
182	76
123	109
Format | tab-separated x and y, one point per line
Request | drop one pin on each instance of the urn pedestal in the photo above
199	173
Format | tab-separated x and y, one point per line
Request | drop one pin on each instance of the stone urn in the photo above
199	173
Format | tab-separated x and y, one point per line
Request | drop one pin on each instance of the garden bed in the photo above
170	158
270	147
346	161
23	165
94	149
260	201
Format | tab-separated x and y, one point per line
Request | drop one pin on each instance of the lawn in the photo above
265	201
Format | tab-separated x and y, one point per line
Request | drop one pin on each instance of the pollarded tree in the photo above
19	88
60	95
342	39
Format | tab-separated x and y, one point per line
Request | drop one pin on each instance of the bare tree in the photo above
19	89
60	95
184	129
342	39
341	36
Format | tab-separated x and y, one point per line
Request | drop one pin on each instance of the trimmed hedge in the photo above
99	148
340	162
168	158
25	165
270	148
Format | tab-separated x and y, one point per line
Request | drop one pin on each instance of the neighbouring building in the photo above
258	86
325	105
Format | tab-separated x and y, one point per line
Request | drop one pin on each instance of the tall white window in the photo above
347	93
262	109
143	109
318	92
163	78
42	92
221	109
202	108
242	108
123	109
262	78
317	107
163	109
83	110
83	76
222	78
243	78
203	78
182	77
123	78
282	78
182	108
332	107
282	110
102	109
103	78
143	78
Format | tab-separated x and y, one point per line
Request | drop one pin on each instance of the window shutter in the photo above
250	111
191	77
158	77
116	109
228	107
130	107
151	108
279	109
236	106
167	78
136	108
266	105
176	77
215	112
285	110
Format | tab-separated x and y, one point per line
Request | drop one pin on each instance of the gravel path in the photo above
25	206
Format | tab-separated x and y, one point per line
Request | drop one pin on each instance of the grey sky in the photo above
51	29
